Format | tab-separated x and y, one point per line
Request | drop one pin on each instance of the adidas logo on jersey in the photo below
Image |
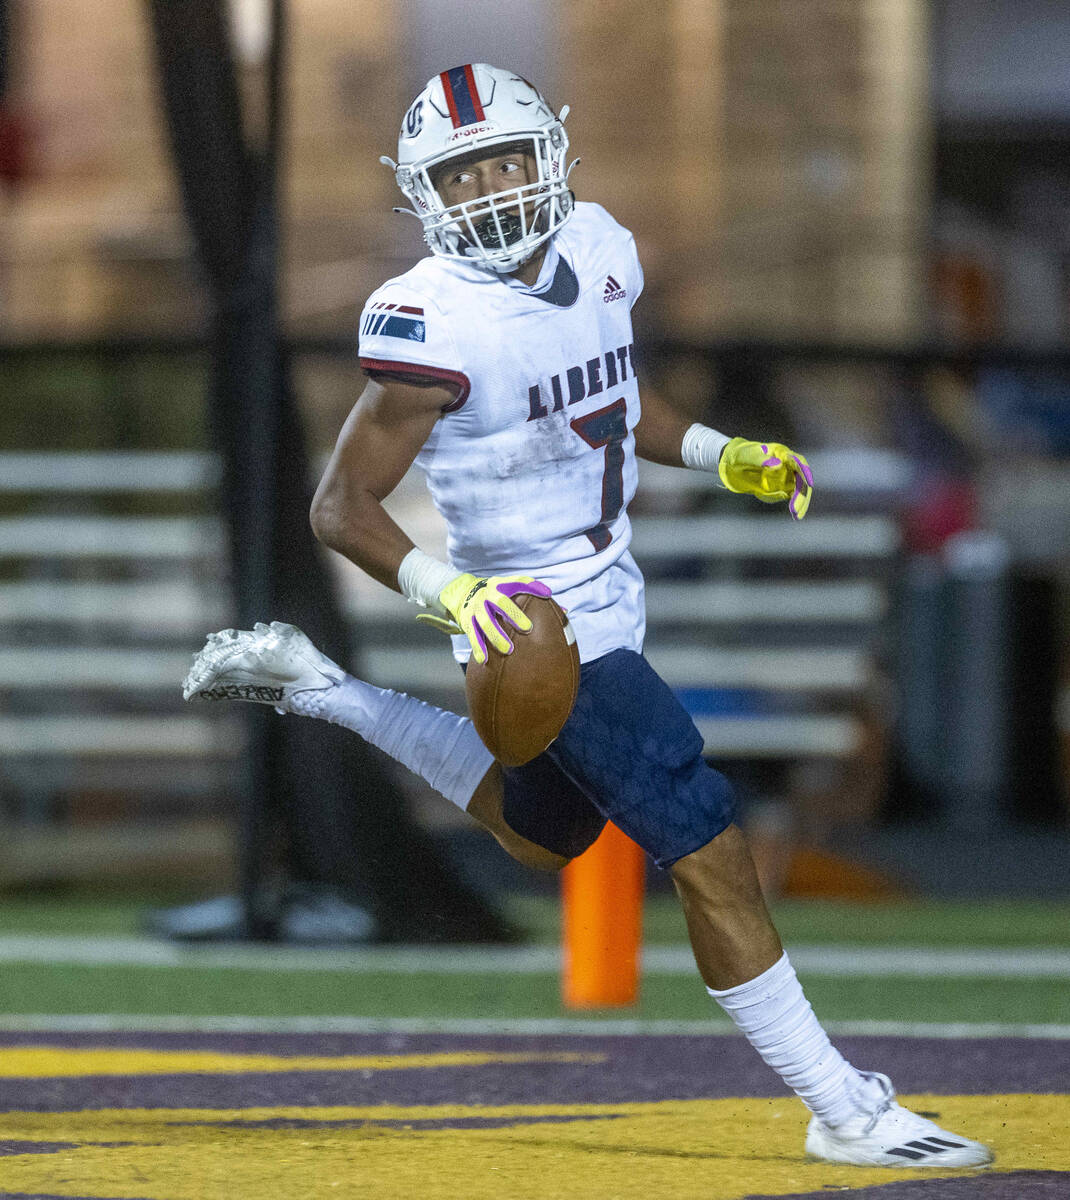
613	290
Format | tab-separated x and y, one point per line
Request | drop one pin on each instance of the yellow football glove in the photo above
478	606
769	471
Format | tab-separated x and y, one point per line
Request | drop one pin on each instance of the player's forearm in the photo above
660	432
360	529
768	470
666	436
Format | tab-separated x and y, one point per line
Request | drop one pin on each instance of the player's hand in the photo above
769	471
478	608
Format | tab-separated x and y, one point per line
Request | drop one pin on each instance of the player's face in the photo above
472	176
470	185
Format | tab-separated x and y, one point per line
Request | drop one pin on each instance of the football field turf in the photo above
135	1069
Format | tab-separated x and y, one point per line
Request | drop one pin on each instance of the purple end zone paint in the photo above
435	1123
634	1069
53	1196
9	1146
1011	1185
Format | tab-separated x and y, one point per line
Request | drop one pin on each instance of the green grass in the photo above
928	923
924	923
93	913
901	923
205	991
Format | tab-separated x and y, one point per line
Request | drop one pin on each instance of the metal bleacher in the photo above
770	629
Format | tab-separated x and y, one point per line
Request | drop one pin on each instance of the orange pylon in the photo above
602	923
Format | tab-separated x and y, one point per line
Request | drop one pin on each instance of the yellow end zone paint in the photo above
41	1062
713	1149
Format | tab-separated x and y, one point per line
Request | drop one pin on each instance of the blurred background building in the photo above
854	217
775	161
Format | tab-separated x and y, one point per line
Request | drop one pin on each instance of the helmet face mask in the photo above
477	112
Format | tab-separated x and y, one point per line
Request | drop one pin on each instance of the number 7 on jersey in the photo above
607	427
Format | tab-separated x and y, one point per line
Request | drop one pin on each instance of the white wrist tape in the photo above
422	577
701	448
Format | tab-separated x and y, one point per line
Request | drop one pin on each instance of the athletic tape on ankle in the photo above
759	988
776	1018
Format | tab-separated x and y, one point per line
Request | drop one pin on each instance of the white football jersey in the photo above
533	465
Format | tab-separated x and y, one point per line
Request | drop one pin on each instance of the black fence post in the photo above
345	819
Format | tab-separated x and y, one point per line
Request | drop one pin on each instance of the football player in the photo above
502	365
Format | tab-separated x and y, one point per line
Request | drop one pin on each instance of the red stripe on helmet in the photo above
470	76
451	103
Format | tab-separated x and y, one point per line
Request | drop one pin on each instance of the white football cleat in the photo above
892	1136
269	664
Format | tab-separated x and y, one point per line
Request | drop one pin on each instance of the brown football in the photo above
518	702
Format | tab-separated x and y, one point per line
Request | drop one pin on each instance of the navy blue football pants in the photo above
629	753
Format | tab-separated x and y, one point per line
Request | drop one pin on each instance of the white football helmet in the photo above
477	106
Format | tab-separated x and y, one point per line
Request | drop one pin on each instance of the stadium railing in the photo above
99	614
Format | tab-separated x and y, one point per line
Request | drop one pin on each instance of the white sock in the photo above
779	1023
438	745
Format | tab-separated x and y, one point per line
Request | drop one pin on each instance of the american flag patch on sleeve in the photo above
393	320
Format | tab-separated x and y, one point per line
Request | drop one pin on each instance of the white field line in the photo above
847	961
717	1026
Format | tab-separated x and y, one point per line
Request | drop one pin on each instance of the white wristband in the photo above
422	577
701	448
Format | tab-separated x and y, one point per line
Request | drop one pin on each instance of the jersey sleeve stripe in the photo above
455	379
401	308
